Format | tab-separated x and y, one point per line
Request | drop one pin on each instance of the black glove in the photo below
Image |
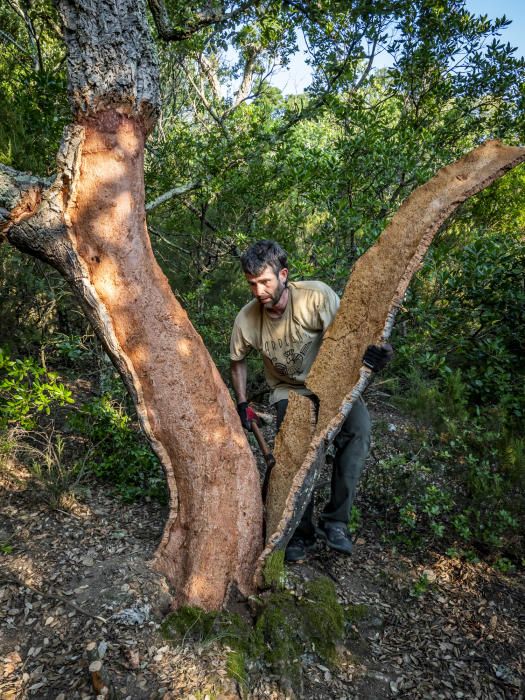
378	356
247	415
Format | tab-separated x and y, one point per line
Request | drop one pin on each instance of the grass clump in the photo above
274	572
189	624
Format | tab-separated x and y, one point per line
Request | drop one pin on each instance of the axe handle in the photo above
267	454
268	458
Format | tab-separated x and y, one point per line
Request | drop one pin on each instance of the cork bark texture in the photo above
373	294
212	537
112	62
291	444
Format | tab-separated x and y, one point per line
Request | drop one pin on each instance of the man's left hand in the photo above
378	356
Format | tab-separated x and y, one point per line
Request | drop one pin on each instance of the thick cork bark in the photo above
373	294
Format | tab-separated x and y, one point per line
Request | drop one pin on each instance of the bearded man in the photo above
286	322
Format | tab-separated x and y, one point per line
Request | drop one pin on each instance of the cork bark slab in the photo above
373	294
291	445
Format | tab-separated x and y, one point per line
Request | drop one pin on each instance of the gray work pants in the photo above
351	450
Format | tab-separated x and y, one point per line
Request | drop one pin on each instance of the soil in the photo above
80	612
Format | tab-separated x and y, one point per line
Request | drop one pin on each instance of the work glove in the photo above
377	357
247	415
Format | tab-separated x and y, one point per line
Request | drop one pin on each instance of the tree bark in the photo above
90	225
374	292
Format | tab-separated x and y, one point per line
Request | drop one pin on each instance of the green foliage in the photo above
33	87
27	389
454	492
420	587
467	319
459	363
118	452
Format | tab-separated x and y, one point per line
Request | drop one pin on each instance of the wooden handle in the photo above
267	454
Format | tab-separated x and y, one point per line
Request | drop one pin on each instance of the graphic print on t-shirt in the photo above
294	361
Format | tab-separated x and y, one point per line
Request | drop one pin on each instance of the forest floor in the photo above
75	587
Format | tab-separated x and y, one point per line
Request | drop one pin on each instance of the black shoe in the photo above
297	549
336	536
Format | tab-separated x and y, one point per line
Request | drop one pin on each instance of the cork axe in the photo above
263	446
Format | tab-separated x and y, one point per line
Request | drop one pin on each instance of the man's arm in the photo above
239	371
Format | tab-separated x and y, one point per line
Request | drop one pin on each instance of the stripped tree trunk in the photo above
90	225
373	294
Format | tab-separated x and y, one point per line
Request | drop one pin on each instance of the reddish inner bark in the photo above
216	535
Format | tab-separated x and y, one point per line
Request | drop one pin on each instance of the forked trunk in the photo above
90	225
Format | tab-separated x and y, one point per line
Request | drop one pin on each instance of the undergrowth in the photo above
117	452
458	480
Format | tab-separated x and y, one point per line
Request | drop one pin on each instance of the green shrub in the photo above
465	319
460	374
27	389
117	451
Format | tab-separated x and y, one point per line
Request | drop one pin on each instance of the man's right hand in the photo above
247	415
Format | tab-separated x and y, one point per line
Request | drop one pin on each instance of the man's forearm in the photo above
239	370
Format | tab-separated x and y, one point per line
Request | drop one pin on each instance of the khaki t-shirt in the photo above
288	344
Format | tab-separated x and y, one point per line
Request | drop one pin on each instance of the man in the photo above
286	322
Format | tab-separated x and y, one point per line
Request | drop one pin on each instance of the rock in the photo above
430	575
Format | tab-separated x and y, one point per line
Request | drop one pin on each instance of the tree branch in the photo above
246	84
204	221
368	67
36	54
211	74
175	192
163	238
20	194
13	41
196	23
200	92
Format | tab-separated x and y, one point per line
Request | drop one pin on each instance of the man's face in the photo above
267	287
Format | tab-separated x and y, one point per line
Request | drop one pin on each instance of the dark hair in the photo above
261	254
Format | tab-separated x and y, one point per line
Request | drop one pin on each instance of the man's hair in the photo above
261	254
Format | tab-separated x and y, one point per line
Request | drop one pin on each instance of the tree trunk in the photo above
373	294
90	225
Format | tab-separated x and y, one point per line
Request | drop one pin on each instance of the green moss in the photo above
324	618
354	613
274	571
279	628
287	626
